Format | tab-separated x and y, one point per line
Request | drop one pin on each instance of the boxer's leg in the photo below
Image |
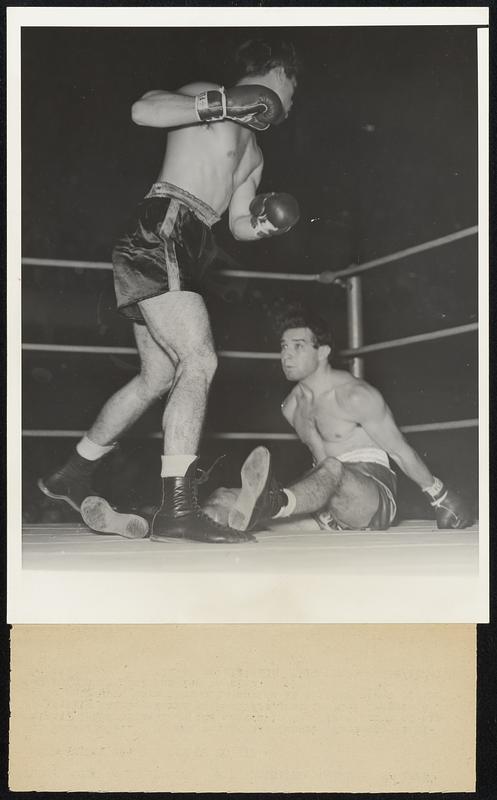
179	323
349	495
127	405
72	483
352	498
119	413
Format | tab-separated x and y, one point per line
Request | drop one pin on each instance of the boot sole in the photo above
254	474
64	497
101	518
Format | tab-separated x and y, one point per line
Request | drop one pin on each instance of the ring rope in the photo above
355	269
457	424
406	340
324	277
419	337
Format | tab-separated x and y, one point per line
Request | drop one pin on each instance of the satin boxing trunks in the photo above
167	247
373	463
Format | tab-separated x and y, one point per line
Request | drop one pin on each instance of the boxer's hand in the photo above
250	104
450	509
273	214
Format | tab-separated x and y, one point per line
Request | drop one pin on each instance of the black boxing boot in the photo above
72	482
261	497
180	516
73	485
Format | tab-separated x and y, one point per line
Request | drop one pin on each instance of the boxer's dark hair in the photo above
297	316
259	56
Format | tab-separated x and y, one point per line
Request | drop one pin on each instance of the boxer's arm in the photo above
366	406
240	217
161	109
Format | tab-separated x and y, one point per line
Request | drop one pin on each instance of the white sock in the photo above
287	510
92	451
175	466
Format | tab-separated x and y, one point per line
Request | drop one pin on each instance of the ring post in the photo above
354	322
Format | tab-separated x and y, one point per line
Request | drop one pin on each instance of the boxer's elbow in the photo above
137	113
140	113
240	228
235	229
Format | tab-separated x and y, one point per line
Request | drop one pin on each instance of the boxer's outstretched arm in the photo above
367	407
161	109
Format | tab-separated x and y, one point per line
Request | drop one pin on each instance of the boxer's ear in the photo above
324	351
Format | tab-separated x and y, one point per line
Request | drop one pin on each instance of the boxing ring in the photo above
412	547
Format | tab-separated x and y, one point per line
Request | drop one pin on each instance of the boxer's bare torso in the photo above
321	418
211	161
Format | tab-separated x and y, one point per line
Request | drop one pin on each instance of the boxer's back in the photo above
210	161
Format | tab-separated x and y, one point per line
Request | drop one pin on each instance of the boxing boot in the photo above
73	484
180	517
261	497
101	517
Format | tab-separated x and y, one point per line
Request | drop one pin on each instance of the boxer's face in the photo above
299	354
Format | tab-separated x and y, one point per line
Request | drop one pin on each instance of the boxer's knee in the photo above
199	362
154	385
332	467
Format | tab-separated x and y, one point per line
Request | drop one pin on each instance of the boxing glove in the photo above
450	510
250	104
274	213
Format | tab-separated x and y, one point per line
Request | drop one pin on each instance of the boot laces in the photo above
203	475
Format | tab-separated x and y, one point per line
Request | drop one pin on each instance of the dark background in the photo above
381	152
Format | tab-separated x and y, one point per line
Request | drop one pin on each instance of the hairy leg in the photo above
351	497
127	405
179	323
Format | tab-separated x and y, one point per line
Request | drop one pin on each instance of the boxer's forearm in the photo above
164	110
243	229
412	466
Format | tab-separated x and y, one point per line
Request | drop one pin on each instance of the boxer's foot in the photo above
261	497
71	483
180	516
101	517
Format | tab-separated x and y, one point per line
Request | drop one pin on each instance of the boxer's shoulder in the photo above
356	396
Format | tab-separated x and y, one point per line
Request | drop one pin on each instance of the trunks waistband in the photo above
205	213
373	455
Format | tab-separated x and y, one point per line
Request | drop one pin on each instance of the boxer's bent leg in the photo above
119	413
73	482
179	323
351	497
127	405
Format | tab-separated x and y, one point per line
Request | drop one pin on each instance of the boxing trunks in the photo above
373	463
167	247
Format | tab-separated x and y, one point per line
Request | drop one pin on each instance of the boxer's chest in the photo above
322	417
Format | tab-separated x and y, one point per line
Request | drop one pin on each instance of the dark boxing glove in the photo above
250	104
450	510
274	213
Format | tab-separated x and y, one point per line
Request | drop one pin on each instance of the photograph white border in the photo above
106	597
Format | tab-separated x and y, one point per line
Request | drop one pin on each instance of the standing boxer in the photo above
212	164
